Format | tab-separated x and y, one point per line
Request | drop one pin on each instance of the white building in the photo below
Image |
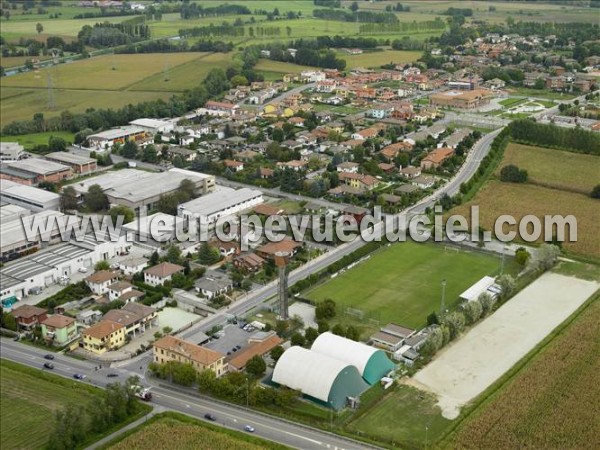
312	76
159	274
206	210
99	282
156	230
11	151
32	198
154	126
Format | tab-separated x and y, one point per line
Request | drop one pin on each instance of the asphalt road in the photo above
229	416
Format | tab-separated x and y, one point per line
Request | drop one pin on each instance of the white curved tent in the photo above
347	350
307	371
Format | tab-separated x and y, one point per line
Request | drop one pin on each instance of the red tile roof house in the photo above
286	246
160	273
99	282
435	158
28	316
249	262
236	166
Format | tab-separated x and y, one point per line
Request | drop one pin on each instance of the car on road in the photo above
112	375
48	356
209	416
249	428
79	376
48	365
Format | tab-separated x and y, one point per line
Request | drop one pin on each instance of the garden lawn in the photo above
29	400
402	283
401	417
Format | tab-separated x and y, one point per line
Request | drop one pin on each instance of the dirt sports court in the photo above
470	365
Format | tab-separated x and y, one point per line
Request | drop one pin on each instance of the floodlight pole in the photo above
443	305
504	248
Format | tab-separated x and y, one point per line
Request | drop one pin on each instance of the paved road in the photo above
229	416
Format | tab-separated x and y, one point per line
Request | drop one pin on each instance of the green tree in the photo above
325	310
352	333
121	211
57	144
338	329
9	322
182	373
129	150
297	339
206	380
154	258
512	174
68	199
522	256
173	254
39	28
239	80
487	303
354	7
546	256
149	154
95	199
281	327
256	366
507	286
595	192
188	187
208	255
455	322
322	326
102	265
276	353
310	334
473	311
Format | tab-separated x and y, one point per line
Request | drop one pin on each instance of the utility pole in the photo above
504	248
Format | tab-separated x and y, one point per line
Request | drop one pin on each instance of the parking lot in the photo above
229	338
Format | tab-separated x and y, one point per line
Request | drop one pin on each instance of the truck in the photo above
142	393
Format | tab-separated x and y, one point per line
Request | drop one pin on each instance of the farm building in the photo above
372	364
323	378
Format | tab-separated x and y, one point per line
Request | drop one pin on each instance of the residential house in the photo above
184	153
267	210
99	282
249	262
294	165
390	152
359	180
348	167
135	317
234	166
157	275
213	284
59	330
133	265
366	133
436	158
380	111
423	182
355	212
326	86
287	246
386	167
28	316
225	109
296	121
103	336
391	337
170	348
410	172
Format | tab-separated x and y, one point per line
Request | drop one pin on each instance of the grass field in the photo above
554	168
92	83
377	59
30	399
31	140
552	402
402	283
497	198
401	418
172	430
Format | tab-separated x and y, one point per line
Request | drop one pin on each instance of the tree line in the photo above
403	27
195	11
575	139
356	16
169	46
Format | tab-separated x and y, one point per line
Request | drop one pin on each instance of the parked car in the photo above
48	365
79	376
209	416
112	375
83	269
48	356
249	429
36	290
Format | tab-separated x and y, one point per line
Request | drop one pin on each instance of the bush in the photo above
595	192
72	292
512	174
325	310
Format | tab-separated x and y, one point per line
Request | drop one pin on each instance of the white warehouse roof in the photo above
309	372
219	201
346	350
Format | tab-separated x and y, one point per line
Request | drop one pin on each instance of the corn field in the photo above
553	402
